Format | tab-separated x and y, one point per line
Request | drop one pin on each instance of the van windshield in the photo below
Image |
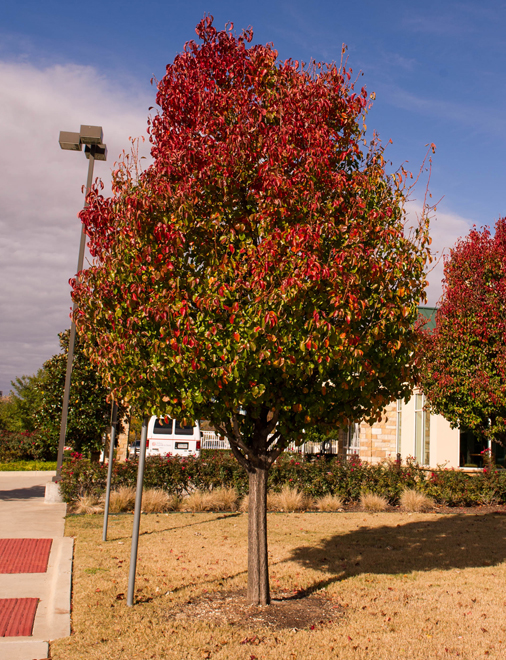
162	427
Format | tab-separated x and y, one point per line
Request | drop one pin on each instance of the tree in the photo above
89	403
257	274
463	362
17	410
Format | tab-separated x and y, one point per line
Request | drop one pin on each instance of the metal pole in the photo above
112	438
137	513
72	338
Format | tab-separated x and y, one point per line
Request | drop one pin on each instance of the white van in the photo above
171	437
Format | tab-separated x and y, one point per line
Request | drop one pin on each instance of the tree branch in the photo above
230	434
272	424
241	458
274	453
272	440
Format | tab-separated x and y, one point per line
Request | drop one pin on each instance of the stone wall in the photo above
378	442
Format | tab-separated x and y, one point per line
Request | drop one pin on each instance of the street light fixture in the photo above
94	149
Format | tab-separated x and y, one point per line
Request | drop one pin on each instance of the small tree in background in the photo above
257	275
89	404
17	410
463	363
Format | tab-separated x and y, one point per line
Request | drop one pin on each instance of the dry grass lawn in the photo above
401	585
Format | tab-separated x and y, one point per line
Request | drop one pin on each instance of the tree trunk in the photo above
258	567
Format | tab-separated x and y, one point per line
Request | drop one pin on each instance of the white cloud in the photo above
445	230
41	196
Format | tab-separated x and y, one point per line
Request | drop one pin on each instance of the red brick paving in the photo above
24	555
17	616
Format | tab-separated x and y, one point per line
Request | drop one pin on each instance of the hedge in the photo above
318	477
24	446
28	466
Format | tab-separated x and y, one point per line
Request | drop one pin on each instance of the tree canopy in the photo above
258	273
89	403
463	362
17	410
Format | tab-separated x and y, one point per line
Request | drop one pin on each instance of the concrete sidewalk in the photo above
24	514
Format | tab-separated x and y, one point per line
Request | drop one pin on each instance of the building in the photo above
408	430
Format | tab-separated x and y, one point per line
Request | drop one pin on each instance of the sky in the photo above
438	71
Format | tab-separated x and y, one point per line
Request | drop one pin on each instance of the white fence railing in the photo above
211	440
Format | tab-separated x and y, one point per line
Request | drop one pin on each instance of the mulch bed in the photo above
286	611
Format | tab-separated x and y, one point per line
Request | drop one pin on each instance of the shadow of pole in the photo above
174	529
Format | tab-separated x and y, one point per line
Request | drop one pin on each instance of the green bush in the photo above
23	446
174	474
455	488
318	477
345	478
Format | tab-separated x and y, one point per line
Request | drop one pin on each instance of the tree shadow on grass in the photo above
449	542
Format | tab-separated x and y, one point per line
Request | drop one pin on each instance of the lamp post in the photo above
94	149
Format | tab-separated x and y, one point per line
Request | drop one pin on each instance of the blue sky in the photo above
438	70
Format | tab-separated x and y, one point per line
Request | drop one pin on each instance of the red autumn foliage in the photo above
463	364
257	274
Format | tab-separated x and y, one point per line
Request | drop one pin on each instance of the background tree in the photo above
257	275
17	410
463	363
89	404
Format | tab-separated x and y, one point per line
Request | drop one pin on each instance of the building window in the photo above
399	427
352	444
422	431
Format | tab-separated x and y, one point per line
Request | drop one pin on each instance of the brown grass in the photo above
372	502
415	502
404	585
329	503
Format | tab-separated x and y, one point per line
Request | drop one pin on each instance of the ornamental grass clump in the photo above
219	499
88	504
415	502
122	499
225	499
196	502
329	503
155	500
373	503
289	500
272	503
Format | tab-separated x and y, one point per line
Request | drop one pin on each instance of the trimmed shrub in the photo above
314	479
28	466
